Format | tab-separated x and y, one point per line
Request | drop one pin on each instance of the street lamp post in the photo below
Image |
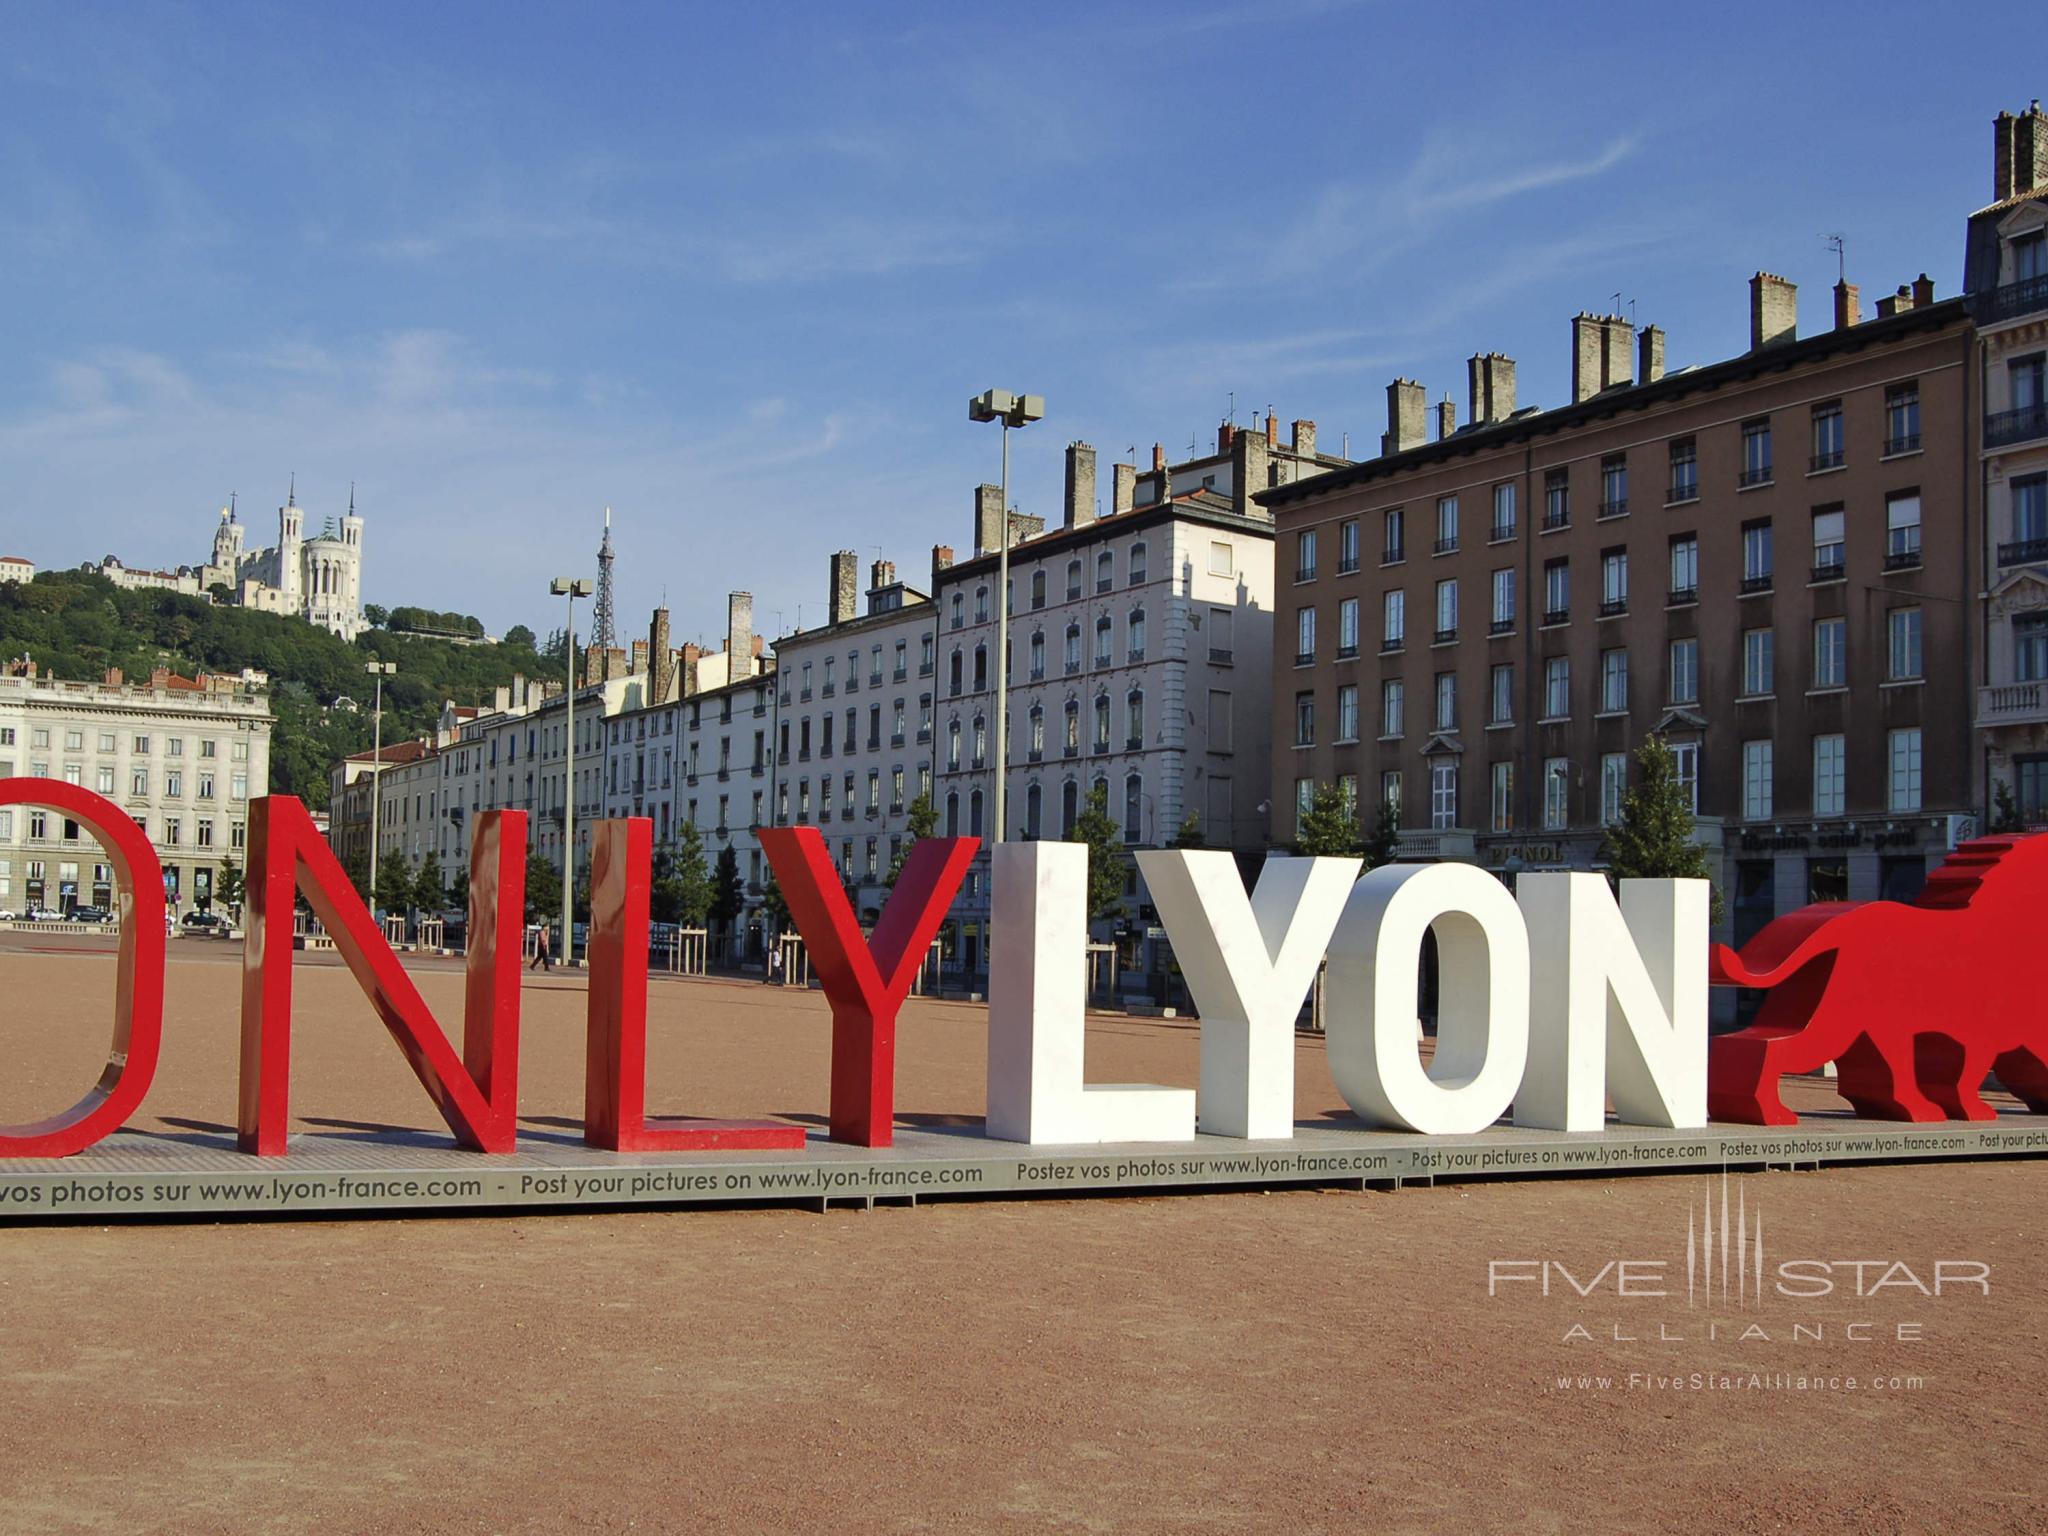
563	586
1012	411
379	670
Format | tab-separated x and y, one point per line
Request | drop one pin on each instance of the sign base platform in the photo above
197	1174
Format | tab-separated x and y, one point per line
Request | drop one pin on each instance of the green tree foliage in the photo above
543	890
427	621
921	821
681	887
1654	839
1105	840
1384	845
229	884
394	884
728	893
377	615
519	637
774	906
1329	829
429	887
357	867
2005	811
1189	833
77	625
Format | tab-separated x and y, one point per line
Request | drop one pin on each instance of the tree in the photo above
923	821
1654	838
774	907
543	890
429	889
2005	811
1105	840
458	891
229	885
728	894
394	884
376	615
1329	828
357	867
681	886
520	636
1189	833
1384	846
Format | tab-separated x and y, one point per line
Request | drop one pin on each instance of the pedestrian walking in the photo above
543	950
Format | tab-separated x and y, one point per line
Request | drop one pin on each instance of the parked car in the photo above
7	916
41	914
91	915
204	920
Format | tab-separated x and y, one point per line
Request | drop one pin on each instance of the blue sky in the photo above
736	270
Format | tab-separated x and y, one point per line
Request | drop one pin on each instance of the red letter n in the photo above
478	1094
866	985
615	1062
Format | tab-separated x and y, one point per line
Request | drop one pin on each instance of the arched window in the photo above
953	670
1105	571
981	604
1134	716
1135	632
1134	807
959	610
1073	737
1037	731
1102	722
1032	809
953	744
953	813
1073	579
980	740
974	814
1070	795
980	668
1037	654
1038	588
1137	573
1104	632
1073	648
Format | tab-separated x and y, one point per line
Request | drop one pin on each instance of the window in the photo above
1902	776
1305	555
1347	546
1557	499
1446	524
1614	680
1070	804
1756	557
980	752
1684	667
1756	452
1828	766
1557	793
1304	802
1613	786
1830	653
1685	567
1220	563
1447	609
1447	701
105	785
1134	719
980	613
1136	574
1613	582
1443	795
1304	719
1035	650
1034	801
1756	780
2029	649
1614	485
952	744
1134	807
1304	636
1902	418
1072	742
1827	544
1105	629
1902	530
1393	699
1504	511
1394	549
1685	757
1134	635
1557	591
1503	600
1756	662
1394	619
1038	588
1073	579
1073	655
1390	792
1347	712
1105	570
1685	472
1557	687
1501	694
1903	653
1347	628
2029	518
1827	436
1102	722
1502	816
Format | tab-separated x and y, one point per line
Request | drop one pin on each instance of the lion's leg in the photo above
1878	1079
1952	1073
2025	1072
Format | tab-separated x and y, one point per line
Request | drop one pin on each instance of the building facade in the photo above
2006	275
182	756
1764	560
853	724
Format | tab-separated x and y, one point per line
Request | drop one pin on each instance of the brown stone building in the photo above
1765	559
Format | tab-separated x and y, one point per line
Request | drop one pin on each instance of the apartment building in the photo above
1764	560
183	756
2006	278
854	723
1140	643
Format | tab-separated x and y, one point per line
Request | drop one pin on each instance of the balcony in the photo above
1395	555
1070	750
2004	428
1348	566
1038	674
1751	585
1682	493
1103	584
1613	607
1444	636
1905	442
1134	744
1304	658
1035	755
1617	507
2012	704
1391	644
1446	843
1552	521
1135	654
1304	573
1828	570
896	738
1760	475
1500	533
1557	616
1219	655
1501	627
1832	459
2024	552
1073	667
1902	559
1347	653
1447	546
2025	297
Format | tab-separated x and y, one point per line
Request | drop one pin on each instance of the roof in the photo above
14	560
1673	386
394	752
1201	505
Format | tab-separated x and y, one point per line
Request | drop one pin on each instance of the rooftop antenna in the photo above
1839	244
231	506
1233	407
602	634
291	497
351	498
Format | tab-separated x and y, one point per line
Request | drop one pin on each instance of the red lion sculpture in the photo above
1915	1003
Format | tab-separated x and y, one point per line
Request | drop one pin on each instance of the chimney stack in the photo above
988	519
1406	406
1491	381
1226	434
1305	439
1123	487
1848	305
660	657
1773	310
1923	291
882	576
2030	149
1446	418
841	603
1159	460
942	560
1080	485
2003	127
739	636
1617	351
1895	303
1649	354
1585	356
638	664
1272	430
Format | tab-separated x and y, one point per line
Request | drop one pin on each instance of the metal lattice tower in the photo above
601	633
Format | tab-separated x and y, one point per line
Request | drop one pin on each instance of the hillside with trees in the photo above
77	625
